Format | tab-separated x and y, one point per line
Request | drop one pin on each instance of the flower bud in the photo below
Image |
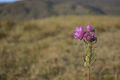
89	28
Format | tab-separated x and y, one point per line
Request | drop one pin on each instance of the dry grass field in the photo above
46	50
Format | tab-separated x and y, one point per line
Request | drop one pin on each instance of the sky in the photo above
6	1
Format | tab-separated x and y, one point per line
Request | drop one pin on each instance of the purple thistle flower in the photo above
79	33
89	28
89	36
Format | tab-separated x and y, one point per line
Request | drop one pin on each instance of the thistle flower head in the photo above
89	28
89	37
79	33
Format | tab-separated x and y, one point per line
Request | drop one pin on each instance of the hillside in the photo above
33	9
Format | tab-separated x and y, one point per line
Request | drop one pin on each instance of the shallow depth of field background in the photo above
44	48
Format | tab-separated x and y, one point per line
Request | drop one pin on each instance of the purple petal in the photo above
77	29
81	28
92	33
94	38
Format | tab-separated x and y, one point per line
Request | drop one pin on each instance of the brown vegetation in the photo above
46	50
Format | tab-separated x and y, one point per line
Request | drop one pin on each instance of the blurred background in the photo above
36	39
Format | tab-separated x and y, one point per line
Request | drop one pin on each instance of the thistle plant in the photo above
89	39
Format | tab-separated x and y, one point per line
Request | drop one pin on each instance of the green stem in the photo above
90	55
88	73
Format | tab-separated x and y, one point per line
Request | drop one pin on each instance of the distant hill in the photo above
33	9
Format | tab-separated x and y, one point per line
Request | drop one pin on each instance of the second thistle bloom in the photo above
89	28
89	37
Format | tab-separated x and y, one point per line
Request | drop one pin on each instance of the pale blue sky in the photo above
6	1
